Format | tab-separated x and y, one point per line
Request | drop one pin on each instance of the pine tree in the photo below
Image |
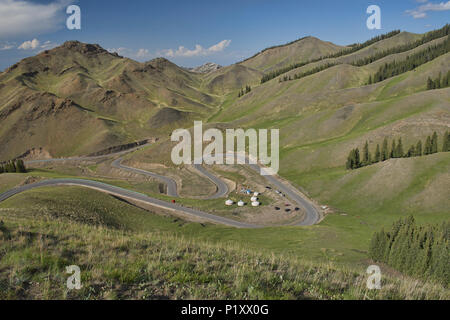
2	169
400	153
419	149
366	155
353	160
446	145
384	150
357	158
438	81
411	152
446	80
427	149
377	154
430	84
10	167
393	150
434	143
20	166
349	164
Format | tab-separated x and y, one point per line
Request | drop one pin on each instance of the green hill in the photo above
116	100
78	99
138	255
305	49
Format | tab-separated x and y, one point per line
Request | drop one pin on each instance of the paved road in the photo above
312	214
131	195
171	184
222	188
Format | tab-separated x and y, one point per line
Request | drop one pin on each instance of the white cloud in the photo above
22	18
421	11
48	45
141	54
120	51
197	51
145	54
30	45
6	46
35	44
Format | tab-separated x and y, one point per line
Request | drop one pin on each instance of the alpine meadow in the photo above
87	178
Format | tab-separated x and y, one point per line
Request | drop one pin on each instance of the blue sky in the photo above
207	30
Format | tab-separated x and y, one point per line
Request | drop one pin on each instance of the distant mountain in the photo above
277	57
79	98
206	68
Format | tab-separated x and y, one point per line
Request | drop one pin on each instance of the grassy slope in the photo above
340	239
329	114
116	100
142	256
282	56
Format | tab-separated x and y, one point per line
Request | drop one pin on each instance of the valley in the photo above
62	107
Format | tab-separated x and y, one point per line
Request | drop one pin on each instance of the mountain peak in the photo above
206	68
84	48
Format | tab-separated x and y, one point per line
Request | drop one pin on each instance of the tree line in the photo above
310	72
243	92
358	46
274	47
430	36
353	48
439	82
421	251
411	62
356	159
13	166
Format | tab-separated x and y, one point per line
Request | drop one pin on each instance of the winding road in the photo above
312	214
130	195
222	188
171	184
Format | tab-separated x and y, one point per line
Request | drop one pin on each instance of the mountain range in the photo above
79	98
330	104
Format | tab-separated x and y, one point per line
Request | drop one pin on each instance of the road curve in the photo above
131	195
222	188
171	184
312	215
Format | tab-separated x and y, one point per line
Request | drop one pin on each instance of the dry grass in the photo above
127	265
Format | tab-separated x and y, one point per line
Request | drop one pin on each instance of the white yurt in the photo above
256	194
241	203
255	204
229	202
253	199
